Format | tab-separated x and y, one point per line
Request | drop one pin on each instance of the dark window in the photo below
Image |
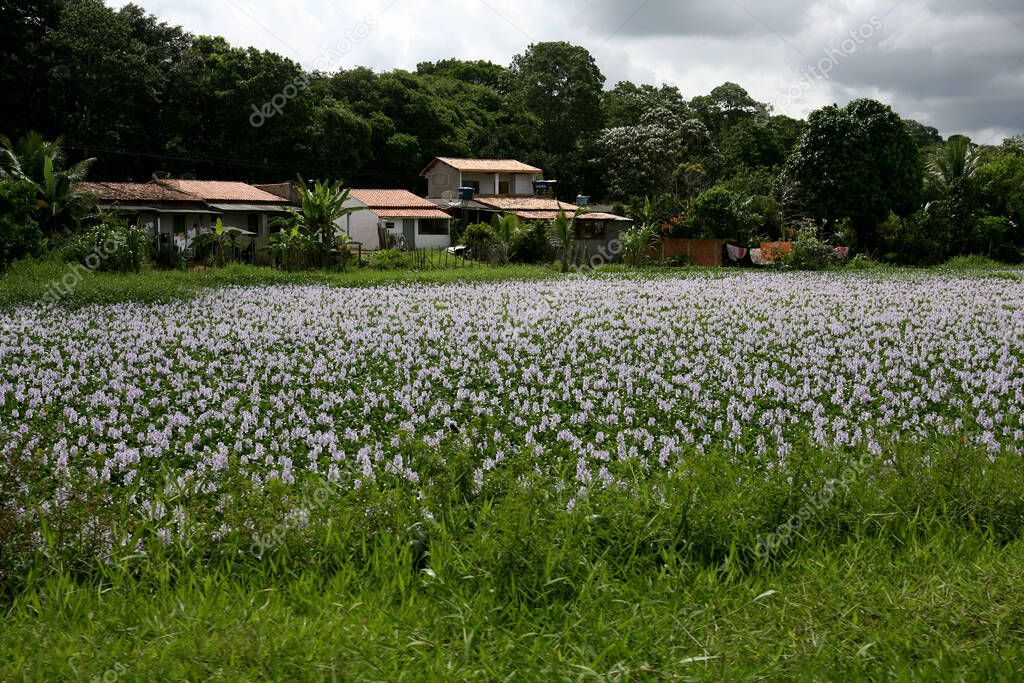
433	226
179	223
503	187
590	230
254	223
475	184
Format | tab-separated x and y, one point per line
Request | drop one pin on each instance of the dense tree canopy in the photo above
859	163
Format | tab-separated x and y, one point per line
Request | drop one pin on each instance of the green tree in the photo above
562	86
627	102
858	162
725	106
20	235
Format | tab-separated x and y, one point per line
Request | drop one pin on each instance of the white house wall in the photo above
433	241
361	225
523	185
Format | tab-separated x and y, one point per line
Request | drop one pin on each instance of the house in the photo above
410	220
240	206
500	186
500	177
177	210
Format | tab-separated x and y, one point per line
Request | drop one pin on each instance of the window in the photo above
590	230
254	223
390	225
503	187
475	184
179	223
433	226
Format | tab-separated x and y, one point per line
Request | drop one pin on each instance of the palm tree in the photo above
563	234
953	165
323	204
39	162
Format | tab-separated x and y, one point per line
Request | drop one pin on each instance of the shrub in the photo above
479	238
809	252
113	246
531	244
391	259
167	256
862	262
973	262
635	243
20	235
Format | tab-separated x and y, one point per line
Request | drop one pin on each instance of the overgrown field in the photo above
759	475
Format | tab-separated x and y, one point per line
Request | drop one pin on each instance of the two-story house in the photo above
503	186
488	177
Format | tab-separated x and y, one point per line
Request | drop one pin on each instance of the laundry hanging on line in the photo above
735	253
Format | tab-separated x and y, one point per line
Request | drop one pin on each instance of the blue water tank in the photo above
583	200
466	193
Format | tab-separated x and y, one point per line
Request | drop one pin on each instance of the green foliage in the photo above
391	259
40	163
974	262
322	206
479	238
217	247
531	244
288	247
635	243
20	236
112	246
715	214
859	162
809	252
561	84
563	236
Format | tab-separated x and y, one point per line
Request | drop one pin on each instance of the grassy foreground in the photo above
944	606
914	571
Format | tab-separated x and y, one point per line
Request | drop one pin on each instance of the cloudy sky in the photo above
955	64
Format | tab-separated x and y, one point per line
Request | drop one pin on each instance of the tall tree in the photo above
858	162
561	84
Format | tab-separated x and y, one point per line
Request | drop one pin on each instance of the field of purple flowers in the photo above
715	420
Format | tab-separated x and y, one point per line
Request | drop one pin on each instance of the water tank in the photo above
583	200
466	193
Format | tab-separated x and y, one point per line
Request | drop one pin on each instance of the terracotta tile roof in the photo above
485	165
391	199
135	192
220	190
537	215
526	204
411	213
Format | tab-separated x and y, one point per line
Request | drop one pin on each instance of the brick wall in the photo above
701	252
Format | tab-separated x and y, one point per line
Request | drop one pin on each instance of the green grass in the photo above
943	607
29	281
914	572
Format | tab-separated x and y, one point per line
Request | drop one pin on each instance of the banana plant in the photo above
37	161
